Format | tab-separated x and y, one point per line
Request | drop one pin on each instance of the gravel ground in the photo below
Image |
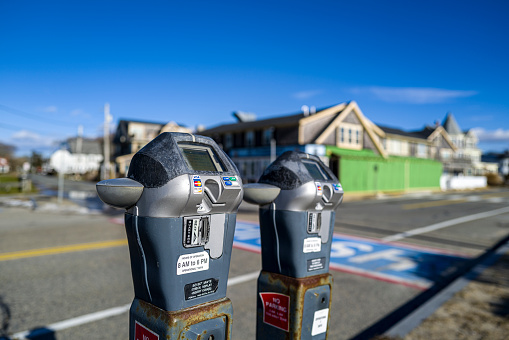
479	311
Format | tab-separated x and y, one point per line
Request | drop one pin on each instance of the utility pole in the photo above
107	120
61	174
79	141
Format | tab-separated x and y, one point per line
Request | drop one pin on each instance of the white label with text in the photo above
191	263
312	245
320	322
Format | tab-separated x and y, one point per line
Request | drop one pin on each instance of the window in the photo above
422	150
250	138
228	141
267	136
349	136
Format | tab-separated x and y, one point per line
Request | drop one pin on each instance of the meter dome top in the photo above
288	172
160	161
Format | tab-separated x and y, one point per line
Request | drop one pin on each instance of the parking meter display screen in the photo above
200	158
315	170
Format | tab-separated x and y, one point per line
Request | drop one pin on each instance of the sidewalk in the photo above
475	306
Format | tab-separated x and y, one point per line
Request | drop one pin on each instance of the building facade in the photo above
466	160
132	135
77	156
364	156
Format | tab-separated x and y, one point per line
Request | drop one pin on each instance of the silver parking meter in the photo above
181	197
298	196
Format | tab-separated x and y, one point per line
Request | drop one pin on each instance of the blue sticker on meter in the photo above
228	183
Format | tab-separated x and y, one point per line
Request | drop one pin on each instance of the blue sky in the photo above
405	63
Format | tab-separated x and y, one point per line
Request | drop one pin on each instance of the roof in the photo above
291	119
421	134
88	146
451	126
139	121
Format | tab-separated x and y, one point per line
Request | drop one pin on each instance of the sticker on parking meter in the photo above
319	190
337	187
191	263
320	322
143	333
312	245
197	185
316	264
201	288
276	310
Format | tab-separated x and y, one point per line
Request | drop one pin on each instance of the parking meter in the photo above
296	226
181	197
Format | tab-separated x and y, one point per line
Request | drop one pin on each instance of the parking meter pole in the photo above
181	198
296	226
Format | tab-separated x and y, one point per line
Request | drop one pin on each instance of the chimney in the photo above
305	110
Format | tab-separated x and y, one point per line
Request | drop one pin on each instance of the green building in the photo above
366	158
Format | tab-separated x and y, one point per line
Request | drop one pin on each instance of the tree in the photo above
6	150
36	159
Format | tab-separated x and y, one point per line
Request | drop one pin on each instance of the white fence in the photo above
448	182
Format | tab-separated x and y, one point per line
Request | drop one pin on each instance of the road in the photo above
58	267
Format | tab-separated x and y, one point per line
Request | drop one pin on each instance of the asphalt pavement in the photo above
57	266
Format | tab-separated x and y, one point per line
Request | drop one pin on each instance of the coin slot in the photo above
212	190
327	193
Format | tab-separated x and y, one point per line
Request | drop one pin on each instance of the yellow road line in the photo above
61	250
495	195
432	204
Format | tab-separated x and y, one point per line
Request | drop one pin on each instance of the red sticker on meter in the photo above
276	310
143	333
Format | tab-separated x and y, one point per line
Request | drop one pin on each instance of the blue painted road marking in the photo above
409	265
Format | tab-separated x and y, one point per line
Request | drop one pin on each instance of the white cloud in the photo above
25	138
50	109
306	94
414	95
498	135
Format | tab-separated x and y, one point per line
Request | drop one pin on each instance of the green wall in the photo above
357	171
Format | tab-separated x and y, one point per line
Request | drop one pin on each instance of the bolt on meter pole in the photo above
298	196
181	198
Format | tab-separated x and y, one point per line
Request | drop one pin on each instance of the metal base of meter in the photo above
211	320
293	308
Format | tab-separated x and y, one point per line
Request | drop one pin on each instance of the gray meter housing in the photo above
296	228
181	198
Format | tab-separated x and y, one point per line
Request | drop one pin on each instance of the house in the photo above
4	166
430	143
345	139
500	160
466	160
132	135
77	156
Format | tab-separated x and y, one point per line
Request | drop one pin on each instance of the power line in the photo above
13	127
32	116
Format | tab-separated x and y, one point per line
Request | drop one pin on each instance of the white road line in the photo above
242	278
87	318
80	320
445	224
